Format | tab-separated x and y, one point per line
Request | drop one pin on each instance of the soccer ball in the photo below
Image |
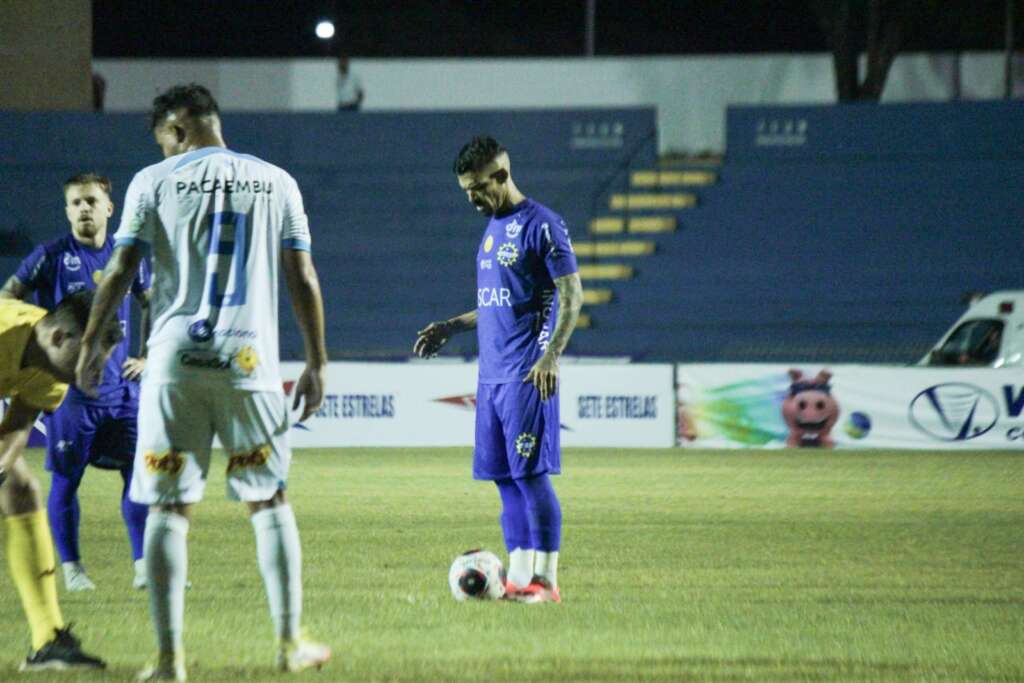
477	575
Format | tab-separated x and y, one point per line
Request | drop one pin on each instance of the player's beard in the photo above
87	229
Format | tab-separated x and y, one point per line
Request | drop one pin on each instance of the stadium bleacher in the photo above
828	234
394	237
851	237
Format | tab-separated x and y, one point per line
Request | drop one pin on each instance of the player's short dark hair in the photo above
477	153
89	179
193	98
73	310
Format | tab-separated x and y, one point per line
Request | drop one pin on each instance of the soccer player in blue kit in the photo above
85	431
528	301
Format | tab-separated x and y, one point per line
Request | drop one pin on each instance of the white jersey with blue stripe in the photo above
215	222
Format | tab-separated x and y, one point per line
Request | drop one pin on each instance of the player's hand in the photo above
310	389
132	368
89	370
431	338
544	376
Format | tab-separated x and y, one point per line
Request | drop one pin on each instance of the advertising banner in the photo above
433	404
849	406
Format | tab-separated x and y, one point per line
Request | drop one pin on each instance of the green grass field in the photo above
676	565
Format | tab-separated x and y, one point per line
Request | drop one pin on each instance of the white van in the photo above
989	334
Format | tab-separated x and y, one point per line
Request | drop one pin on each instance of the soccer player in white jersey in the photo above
217	224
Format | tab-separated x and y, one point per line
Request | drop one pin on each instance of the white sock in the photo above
71	568
520	566
545	565
166	556
280	559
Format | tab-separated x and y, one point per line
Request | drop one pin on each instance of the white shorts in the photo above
177	423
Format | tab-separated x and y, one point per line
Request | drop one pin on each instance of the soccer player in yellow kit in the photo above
38	352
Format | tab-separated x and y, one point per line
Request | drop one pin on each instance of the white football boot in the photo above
75	578
167	668
301	654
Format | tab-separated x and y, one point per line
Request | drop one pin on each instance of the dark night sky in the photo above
497	28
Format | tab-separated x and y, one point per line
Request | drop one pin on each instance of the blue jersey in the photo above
521	253
63	266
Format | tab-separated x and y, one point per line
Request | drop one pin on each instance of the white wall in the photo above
690	93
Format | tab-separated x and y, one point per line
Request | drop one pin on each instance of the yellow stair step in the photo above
584	321
672	178
644	200
605	271
614	249
611	225
595	296
652	224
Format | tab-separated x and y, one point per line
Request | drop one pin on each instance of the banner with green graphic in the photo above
848	406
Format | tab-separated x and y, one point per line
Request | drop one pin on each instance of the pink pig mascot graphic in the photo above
810	411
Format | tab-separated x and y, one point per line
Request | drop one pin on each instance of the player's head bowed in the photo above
61	330
184	117
485	174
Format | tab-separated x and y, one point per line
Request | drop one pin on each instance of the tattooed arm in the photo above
544	373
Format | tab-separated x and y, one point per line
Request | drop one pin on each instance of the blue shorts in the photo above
516	433
80	434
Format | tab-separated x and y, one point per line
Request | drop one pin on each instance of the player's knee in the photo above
21	493
279	498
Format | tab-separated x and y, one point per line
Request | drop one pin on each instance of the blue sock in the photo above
134	516
62	508
543	512
514	522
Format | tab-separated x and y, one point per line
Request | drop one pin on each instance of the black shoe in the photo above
63	652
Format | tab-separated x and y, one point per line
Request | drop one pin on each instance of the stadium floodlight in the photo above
325	29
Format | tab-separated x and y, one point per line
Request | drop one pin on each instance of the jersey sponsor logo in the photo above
249	459
508	254
485	264
169	462
488	244
526	444
72	262
73	287
493	296
204	360
246	359
200	331
225	186
513	229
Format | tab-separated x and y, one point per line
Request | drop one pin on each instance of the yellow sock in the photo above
30	555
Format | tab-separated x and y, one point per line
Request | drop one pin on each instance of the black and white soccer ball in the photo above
477	575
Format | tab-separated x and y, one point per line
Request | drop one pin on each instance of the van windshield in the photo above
974	342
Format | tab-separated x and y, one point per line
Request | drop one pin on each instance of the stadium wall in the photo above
689	93
434	403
